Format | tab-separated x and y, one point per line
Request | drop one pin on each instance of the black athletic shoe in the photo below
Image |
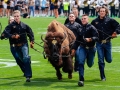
27	79
104	79
81	83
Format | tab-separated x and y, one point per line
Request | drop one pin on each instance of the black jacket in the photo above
105	27
87	31
21	29
74	27
118	29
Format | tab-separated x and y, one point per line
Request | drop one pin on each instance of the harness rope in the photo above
28	39
68	55
109	36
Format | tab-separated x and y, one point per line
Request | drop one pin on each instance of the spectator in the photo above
37	7
31	5
1	8
56	8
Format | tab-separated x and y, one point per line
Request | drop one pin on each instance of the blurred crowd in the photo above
56	8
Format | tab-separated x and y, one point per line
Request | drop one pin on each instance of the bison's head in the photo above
54	42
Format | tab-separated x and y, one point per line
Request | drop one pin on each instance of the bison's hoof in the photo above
59	78
70	76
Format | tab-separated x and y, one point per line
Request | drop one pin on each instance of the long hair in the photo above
106	9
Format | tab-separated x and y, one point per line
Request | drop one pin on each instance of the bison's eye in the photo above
54	42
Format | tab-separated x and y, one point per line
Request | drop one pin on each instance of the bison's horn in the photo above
43	39
64	37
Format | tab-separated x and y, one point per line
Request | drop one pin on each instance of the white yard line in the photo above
41	33
116	49
41	28
11	63
8	64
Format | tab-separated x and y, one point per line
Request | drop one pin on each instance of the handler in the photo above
86	42
107	28
17	33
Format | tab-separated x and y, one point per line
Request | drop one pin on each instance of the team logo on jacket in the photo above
14	26
96	22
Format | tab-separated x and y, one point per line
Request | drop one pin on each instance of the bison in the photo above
57	47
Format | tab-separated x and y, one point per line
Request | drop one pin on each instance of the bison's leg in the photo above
68	66
58	73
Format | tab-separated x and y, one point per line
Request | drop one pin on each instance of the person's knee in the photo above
90	65
26	59
90	62
81	62
109	60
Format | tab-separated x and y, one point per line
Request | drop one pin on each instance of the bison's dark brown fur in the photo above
64	37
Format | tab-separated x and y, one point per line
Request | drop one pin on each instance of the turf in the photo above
44	75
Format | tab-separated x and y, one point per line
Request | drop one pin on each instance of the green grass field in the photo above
44	75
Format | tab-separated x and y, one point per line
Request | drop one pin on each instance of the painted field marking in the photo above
116	49
41	28
11	62
41	32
